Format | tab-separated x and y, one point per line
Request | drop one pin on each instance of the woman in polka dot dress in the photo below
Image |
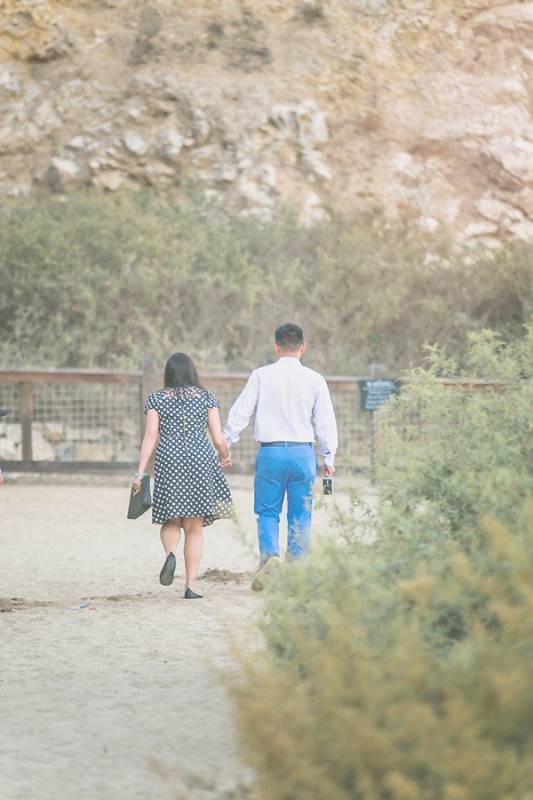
190	490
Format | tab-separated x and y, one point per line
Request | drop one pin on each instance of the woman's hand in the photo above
329	471
136	482
219	442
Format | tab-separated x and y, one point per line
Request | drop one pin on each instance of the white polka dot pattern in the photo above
188	479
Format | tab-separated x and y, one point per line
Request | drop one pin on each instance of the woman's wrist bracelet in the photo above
139	474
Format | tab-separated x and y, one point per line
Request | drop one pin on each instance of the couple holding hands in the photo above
291	404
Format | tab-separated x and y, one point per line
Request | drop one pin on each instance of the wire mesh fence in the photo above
86	422
65	417
78	417
75	419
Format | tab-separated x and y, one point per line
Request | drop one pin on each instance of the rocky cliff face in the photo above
420	108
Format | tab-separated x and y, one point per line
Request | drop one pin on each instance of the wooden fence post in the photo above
26	412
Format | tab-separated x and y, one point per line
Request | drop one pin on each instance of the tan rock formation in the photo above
422	108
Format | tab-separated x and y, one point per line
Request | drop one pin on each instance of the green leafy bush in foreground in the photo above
366	708
402	670
101	280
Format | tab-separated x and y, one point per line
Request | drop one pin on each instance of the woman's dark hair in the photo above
180	371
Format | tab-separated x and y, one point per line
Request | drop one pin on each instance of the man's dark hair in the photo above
289	337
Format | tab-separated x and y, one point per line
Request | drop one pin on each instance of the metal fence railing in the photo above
67	420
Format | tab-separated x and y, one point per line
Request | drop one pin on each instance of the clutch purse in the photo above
140	498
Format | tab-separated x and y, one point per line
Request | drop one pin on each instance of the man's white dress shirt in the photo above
291	403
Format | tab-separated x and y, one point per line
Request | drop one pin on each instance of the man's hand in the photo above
226	462
2	479
329	471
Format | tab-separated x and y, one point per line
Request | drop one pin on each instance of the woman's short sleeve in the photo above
151	403
211	400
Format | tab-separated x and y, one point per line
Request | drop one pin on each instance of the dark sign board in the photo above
376	392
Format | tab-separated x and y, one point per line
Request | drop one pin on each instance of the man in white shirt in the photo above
291	404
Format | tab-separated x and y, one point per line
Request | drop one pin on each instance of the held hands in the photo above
329	471
224	454
225	461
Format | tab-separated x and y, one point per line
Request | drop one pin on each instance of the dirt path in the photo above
110	684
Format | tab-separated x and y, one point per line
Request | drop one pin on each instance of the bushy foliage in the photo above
364	708
449	453
100	280
401	670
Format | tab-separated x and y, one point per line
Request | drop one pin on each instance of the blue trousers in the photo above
284	469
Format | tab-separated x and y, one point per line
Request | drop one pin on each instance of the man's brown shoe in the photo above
265	572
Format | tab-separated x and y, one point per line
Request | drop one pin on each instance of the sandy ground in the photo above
110	684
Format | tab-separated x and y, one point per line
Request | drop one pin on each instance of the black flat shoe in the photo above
190	595
166	576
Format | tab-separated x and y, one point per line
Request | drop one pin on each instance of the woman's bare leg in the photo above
194	545
170	535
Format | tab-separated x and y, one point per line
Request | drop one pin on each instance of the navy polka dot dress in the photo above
188	479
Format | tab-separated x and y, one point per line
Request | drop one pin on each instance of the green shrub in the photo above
401	670
362	707
449	454
101	280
